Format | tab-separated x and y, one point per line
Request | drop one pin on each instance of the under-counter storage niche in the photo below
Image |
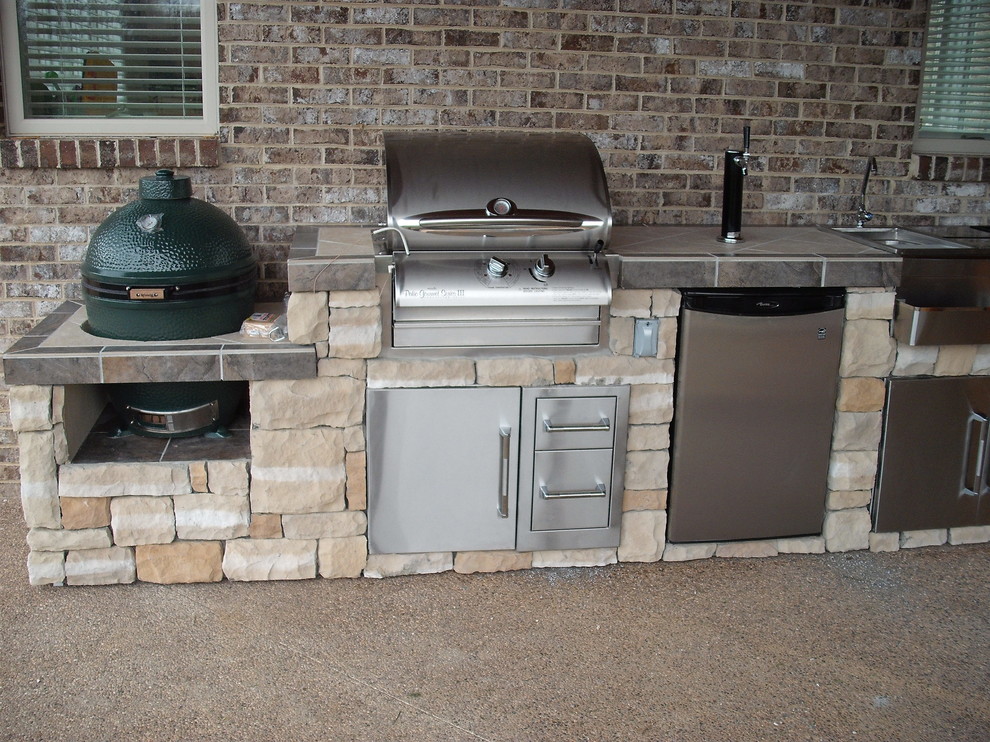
469	469
935	458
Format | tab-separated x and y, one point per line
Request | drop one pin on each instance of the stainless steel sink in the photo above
894	239
943	296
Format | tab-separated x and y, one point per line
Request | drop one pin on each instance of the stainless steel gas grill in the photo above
495	245
496	240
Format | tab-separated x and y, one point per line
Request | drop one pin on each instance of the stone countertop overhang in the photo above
59	351
341	258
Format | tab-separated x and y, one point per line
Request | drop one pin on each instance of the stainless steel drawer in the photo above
941	325
575	422
572	489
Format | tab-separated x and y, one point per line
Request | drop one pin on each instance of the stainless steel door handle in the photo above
974	464
590	427
522	222
505	452
546	494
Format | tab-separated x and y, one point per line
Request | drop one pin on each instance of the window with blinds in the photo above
110	66
954	107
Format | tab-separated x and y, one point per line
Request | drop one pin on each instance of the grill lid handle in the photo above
518	222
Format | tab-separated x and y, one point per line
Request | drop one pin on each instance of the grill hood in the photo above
495	191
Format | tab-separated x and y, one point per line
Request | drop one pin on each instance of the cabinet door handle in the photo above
546	494
590	427
976	454
505	452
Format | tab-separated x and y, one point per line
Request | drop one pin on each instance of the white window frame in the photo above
927	142
19	125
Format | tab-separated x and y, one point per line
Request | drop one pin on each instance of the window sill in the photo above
93	153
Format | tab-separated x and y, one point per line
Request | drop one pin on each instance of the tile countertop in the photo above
692	257
340	258
60	351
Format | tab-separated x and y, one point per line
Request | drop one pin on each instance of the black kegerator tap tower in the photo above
736	164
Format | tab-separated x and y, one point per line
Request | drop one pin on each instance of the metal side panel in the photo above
934	463
523	313
494	334
442	469
752	429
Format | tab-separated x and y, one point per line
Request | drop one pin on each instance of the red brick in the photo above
29	153
89	156
48	153
187	153
167	153
9	154
127	153
147	153
67	153
108	153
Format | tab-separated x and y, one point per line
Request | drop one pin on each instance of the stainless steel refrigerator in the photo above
757	379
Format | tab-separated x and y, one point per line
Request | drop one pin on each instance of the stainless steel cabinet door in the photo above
442	469
936	455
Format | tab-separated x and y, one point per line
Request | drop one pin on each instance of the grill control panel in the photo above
532	279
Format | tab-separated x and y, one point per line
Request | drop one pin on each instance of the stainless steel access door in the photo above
442	469
935	463
755	401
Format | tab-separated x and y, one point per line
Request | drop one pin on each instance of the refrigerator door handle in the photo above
975	462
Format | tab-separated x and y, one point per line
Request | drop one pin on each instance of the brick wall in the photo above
663	87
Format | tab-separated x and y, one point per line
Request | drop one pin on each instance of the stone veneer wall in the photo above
346	328
296	508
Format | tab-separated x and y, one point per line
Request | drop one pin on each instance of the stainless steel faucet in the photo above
863	215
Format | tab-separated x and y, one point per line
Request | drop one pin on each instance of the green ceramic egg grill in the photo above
169	267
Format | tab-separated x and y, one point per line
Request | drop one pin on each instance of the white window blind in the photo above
112	61
954	108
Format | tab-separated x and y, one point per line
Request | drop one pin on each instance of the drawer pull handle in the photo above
590	428
546	494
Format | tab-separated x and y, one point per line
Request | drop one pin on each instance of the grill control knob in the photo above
497	268
543	268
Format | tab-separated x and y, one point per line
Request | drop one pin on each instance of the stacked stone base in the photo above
296	509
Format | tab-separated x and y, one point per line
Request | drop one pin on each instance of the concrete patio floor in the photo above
855	646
